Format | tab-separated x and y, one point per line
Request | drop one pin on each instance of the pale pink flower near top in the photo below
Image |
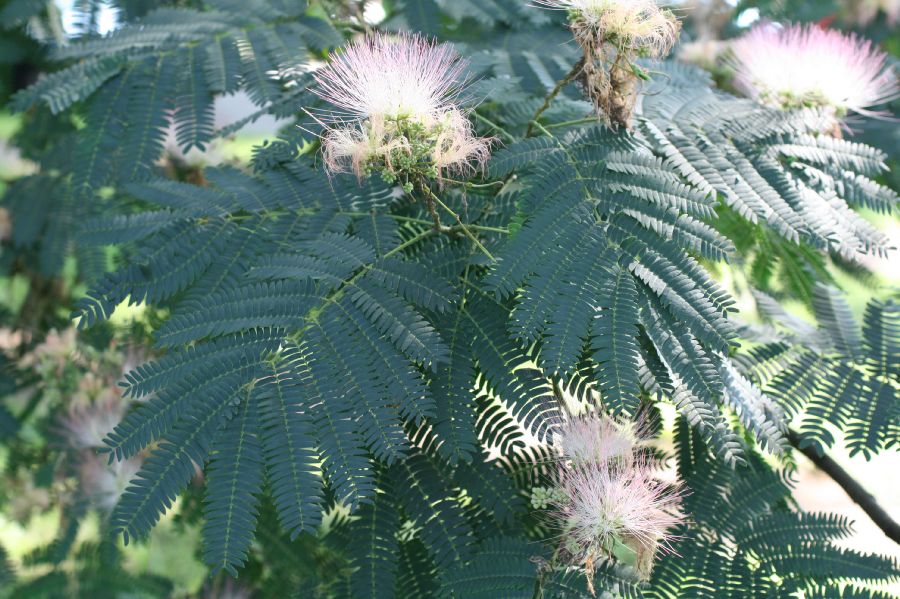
596	439
805	66
103	483
87	424
397	96
864	12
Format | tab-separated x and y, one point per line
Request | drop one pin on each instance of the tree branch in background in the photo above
851	486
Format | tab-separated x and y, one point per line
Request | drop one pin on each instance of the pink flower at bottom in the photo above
626	514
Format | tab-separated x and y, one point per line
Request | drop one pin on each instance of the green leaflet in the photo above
320	351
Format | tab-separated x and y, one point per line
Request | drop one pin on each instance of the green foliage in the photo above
747	542
838	377
371	401
98	574
7	574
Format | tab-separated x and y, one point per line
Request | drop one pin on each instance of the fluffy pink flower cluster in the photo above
607	503
805	66
84	427
398	98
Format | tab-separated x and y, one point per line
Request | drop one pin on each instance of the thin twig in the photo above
419	221
576	70
851	486
494	126
459	222
411	241
544	569
584	121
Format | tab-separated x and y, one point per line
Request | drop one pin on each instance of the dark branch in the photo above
576	70
851	486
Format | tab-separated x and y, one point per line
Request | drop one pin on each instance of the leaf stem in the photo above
542	129
576	70
584	121
459	222
419	221
411	241
486	229
475	185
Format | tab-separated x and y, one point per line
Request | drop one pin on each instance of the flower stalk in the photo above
431	199
613	34
570	76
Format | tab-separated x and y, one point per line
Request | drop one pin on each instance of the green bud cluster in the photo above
544	497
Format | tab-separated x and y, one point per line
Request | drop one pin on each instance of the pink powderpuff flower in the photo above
396	95
623	513
103	483
597	439
805	66
86	424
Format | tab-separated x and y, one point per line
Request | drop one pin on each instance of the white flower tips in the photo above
612	34
809	67
595	440
637	25
606	502
399	110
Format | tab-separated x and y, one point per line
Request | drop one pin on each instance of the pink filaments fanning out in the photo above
624	513
805	66
595	439
607	503
398	101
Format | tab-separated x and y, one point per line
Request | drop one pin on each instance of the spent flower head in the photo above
398	101
636	25
613	34
805	66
